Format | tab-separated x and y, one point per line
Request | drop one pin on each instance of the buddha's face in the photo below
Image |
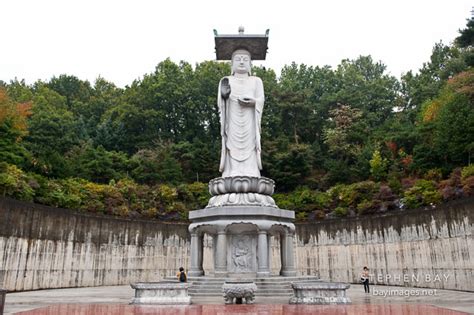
241	62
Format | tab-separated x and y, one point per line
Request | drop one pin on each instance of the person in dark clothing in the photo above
182	277
364	277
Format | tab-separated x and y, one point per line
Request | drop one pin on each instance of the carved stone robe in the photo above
240	128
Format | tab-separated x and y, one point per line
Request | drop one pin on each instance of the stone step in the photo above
263	285
258	289
194	289
276	294
257	281
260	286
276	278
266	287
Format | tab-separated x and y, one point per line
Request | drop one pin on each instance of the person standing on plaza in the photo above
364	278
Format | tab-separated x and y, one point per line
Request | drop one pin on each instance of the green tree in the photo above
96	164
446	126
445	62
52	131
129	128
466	37
288	164
378	166
364	85
156	166
72	88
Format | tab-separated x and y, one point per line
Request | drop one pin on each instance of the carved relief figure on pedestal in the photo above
241	254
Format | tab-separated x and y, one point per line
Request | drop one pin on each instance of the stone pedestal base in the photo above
164	293
241	238
195	273
319	293
263	274
242	217
288	273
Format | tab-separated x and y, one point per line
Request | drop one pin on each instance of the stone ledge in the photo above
241	211
241	199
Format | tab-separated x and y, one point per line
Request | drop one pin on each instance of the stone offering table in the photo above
319	293
165	292
239	290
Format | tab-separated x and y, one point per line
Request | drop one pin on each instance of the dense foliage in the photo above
342	141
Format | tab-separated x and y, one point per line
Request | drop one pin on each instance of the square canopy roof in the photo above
257	45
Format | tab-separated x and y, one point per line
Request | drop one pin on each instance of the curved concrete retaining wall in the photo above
44	247
420	248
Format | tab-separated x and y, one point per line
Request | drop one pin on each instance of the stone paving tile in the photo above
260	309
22	301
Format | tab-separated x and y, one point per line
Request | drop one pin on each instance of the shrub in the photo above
431	197
283	201
129	189
319	215
55	194
15	183
434	174
94	198
467	171
394	184
446	190
322	200
151	212
407	183
423	193
167	194
350	195
368	206
340	211
195	195
455	177
468	186
303	199
301	215
113	200
340	195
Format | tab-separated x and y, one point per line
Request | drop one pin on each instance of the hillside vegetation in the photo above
340	141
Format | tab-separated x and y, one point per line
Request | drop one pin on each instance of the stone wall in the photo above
44	247
421	248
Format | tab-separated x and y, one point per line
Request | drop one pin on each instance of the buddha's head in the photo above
241	62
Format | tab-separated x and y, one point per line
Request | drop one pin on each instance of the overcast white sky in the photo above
121	40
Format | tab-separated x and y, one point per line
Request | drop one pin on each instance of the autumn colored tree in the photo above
13	127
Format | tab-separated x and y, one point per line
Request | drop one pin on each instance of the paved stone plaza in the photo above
115	300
